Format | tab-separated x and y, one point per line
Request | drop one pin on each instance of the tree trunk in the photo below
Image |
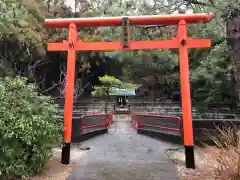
233	33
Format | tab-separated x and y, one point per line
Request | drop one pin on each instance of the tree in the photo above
110	81
23	43
207	66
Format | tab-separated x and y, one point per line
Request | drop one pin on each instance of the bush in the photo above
29	126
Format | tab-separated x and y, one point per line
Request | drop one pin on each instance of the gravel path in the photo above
122	154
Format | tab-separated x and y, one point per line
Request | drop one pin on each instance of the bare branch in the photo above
60	85
197	2
83	89
152	26
53	87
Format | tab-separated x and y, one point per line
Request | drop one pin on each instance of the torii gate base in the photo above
182	42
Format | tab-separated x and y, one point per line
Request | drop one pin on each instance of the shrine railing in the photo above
90	123
157	123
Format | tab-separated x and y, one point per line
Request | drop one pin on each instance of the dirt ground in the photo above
54	170
206	164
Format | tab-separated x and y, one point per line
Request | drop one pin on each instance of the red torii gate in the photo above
182	42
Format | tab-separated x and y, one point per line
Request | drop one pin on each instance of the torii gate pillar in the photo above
186	95
69	90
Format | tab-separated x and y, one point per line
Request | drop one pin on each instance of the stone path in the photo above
122	154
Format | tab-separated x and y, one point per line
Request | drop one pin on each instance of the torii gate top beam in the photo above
134	20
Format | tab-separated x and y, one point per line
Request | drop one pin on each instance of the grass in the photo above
227	153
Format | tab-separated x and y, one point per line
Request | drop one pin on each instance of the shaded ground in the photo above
122	154
54	170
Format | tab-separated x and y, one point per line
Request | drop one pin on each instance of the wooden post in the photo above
69	91
186	96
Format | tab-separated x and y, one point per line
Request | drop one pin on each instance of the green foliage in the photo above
130	86
17	21
29	126
23	40
110	80
210	68
100	91
107	82
23	37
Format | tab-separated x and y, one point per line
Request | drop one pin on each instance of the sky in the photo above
150	2
71	2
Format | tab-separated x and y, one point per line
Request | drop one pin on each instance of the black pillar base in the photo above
65	153
189	155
